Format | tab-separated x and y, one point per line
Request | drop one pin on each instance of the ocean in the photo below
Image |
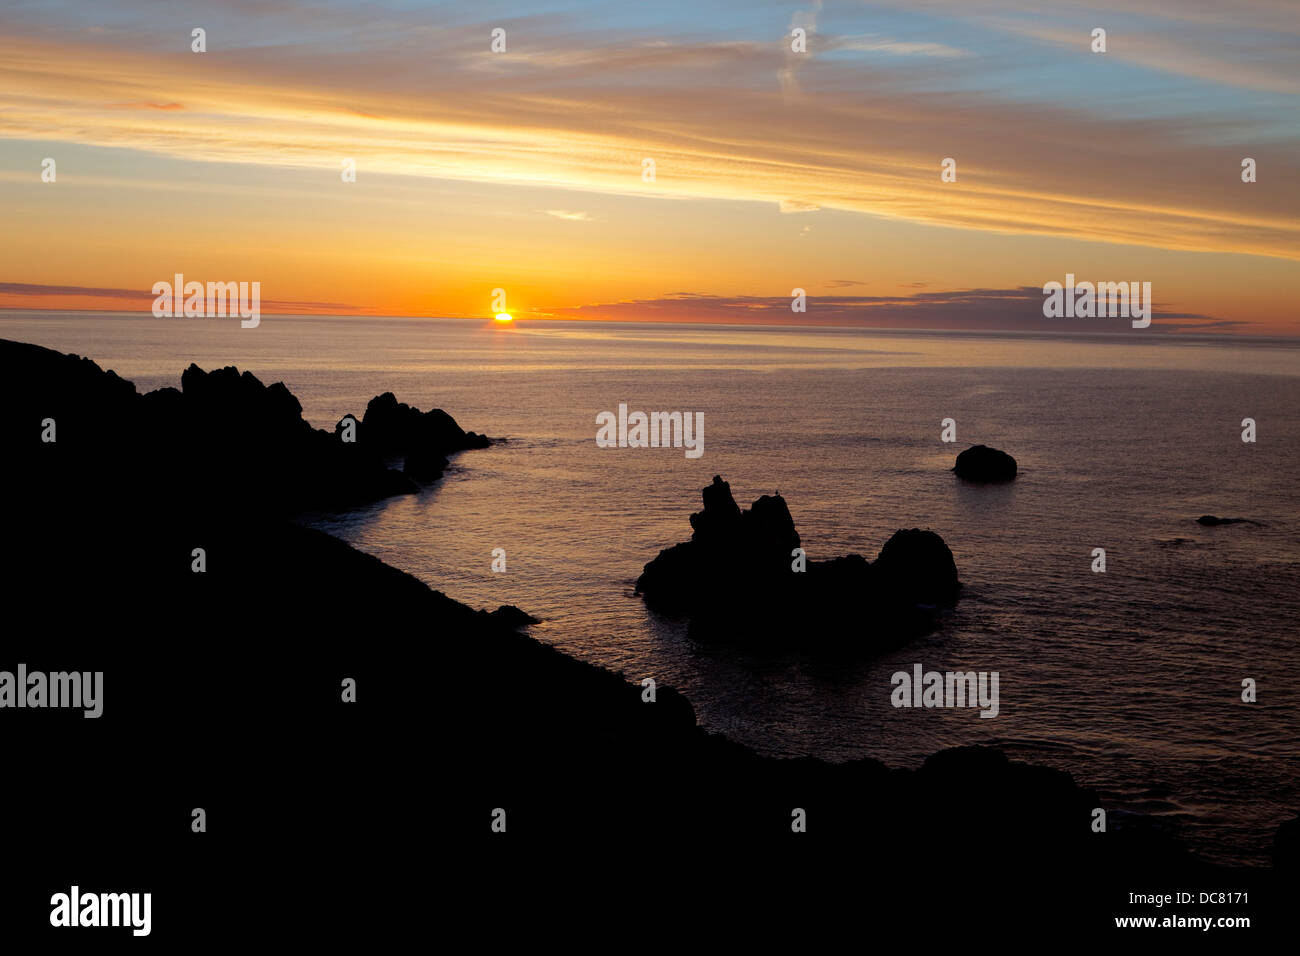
1131	680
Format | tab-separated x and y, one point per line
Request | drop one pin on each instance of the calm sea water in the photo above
1130	680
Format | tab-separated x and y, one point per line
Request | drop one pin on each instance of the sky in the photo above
774	170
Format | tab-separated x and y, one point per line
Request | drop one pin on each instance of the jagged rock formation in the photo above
223	437
740	577
980	463
391	428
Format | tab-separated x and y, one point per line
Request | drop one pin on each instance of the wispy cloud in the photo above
1271	66
26	294
871	43
1019	309
38	289
581	111
790	206
146	106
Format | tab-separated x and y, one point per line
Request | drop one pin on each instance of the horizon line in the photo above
842	327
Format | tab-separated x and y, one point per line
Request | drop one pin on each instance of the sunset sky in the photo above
523	170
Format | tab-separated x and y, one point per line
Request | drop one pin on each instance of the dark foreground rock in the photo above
740	577
1286	847
983	464
222	688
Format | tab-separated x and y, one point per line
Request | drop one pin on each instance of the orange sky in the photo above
523	171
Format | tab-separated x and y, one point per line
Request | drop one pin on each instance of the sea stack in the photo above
983	464
744	577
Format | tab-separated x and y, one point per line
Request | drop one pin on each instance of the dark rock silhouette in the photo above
980	463
916	567
736	579
391	428
229	437
1211	521
510	616
231	676
227	430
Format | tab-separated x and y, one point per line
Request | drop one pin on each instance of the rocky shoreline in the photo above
229	679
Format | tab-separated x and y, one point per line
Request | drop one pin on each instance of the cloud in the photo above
140	299
1270	68
1018	309
34	289
147	106
570	215
871	43
579	108
1249	44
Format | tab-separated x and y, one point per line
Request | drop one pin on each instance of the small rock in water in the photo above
984	464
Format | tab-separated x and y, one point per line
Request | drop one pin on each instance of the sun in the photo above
504	317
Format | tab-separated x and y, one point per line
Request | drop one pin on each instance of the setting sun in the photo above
504	317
